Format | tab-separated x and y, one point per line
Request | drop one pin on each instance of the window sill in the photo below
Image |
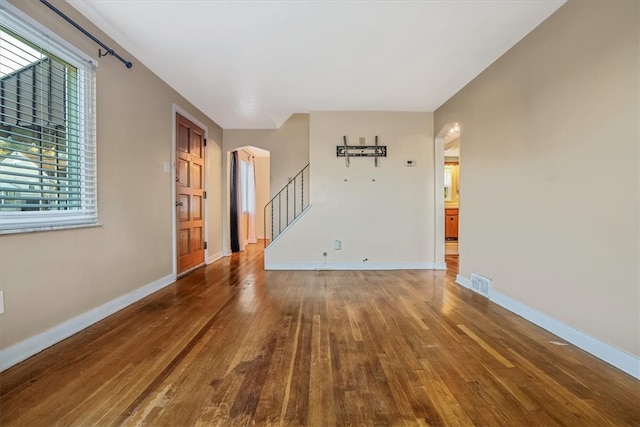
49	228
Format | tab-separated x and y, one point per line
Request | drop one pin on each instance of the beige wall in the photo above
262	165
50	277
555	116
389	221
288	147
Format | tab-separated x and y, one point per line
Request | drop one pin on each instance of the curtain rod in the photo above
109	51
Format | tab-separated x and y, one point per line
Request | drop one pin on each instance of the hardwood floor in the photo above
451	247
231	344
452	262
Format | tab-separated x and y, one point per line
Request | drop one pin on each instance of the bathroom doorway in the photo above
451	189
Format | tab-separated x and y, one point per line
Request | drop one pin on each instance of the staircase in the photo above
286	206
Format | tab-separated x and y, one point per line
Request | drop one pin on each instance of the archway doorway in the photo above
447	206
249	182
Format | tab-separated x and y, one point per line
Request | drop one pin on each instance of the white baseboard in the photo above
439	266
213	258
354	266
33	345
622	360
463	281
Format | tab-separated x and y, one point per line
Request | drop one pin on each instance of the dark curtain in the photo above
235	194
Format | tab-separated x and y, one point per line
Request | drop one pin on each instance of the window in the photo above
47	132
244	178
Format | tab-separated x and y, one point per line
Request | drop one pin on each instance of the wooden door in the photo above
190	194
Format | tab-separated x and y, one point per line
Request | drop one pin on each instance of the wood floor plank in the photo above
233	345
486	347
444	400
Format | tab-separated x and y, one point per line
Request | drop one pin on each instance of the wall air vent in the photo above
480	284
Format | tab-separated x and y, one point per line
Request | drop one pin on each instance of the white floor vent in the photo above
480	284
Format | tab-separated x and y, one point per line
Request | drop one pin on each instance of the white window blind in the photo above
47	130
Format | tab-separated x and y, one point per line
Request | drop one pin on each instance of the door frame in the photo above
439	201
226	198
176	109
438	180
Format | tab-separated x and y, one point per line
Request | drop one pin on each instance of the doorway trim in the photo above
176	109
258	152
438	180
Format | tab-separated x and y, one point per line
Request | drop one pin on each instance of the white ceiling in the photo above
250	64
